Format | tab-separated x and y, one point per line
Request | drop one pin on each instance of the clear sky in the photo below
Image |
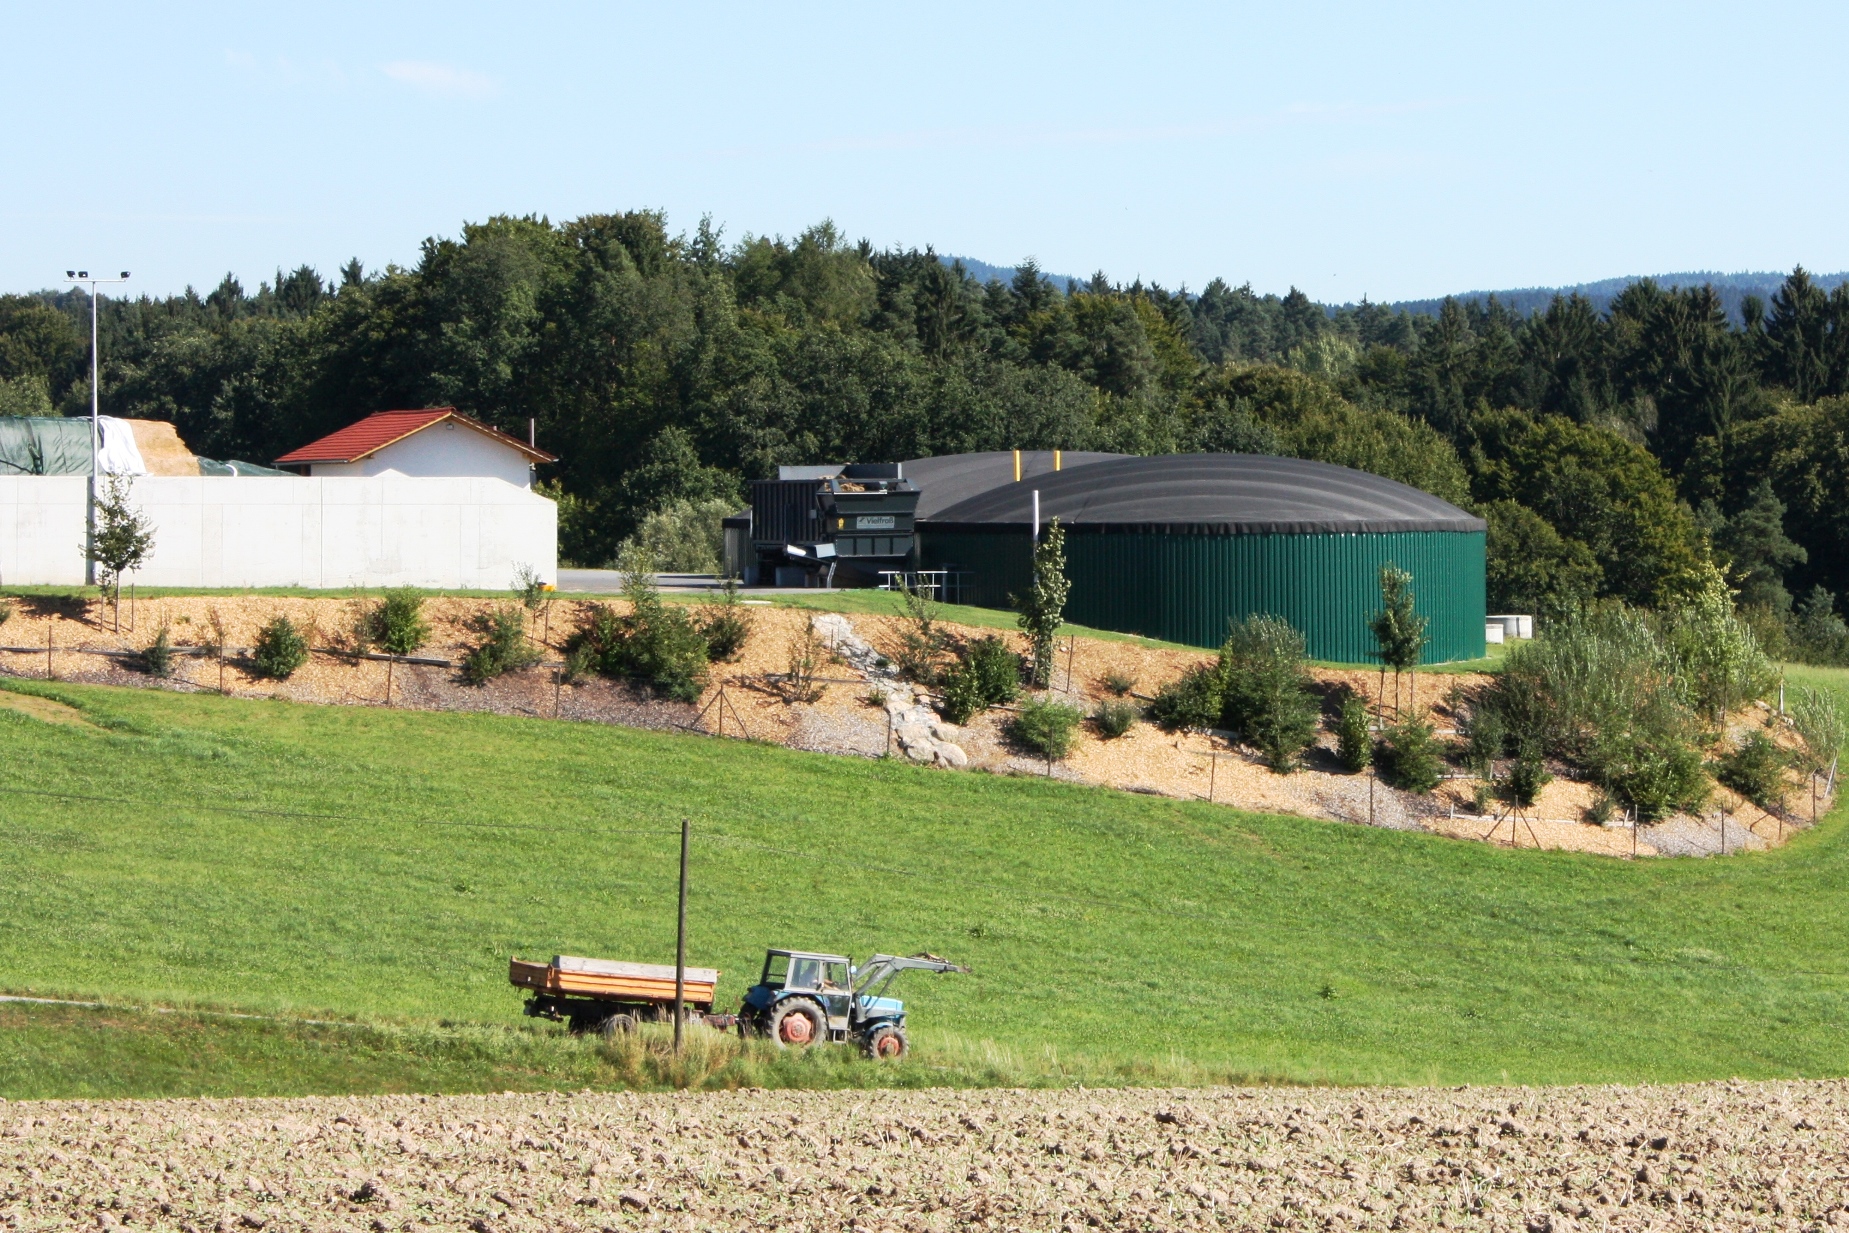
1358	148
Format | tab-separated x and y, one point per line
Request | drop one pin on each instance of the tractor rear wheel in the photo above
797	1023
887	1043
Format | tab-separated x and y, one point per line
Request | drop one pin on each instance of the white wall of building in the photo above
254	531
446	449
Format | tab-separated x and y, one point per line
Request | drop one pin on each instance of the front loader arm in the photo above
879	969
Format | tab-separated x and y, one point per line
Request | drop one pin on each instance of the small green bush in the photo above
985	673
1528	774
397	623
1756	770
997	670
1045	727
1655	780
6	612
1485	736
578	665
280	649
918	650
1193	700
503	646
960	696
157	656
1113	718
1407	755
1267	696
660	646
726	626
1354	741
1119	683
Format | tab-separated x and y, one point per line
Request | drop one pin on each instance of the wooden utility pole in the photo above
680	946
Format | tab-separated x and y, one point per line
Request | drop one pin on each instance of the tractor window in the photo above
804	974
834	977
776	970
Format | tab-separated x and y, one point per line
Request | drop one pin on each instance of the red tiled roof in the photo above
382	428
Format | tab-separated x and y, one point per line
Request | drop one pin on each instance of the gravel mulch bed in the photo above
1711	1156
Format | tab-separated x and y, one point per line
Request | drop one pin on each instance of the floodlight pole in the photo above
81	278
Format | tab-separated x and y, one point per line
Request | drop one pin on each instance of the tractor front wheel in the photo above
886	1043
797	1024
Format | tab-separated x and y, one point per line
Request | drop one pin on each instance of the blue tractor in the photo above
805	997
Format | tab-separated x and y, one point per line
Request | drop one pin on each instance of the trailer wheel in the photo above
797	1024
887	1043
622	1024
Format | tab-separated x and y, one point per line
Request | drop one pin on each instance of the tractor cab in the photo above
808	997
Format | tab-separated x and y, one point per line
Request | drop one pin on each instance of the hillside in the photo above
357	862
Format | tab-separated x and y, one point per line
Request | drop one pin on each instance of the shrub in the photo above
1656	780
6	612
1192	700
1046	727
1354	740
529	587
960	696
1756	770
1528	774
280	649
1484	735
157	657
996	668
1602	692
918	651
1119	683
726	626
660	646
1601	811
683	537
1818	718
503	646
1407	755
397	622
806	656
1113	718
577	665
1266	694
1715	652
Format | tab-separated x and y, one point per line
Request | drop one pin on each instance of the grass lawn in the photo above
381	865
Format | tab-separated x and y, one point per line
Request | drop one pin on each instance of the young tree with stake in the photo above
1399	631
1043	609
124	538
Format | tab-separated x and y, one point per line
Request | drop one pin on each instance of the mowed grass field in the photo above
349	863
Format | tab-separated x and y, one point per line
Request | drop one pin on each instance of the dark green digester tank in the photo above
1176	546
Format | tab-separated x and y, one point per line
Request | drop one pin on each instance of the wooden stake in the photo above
680	946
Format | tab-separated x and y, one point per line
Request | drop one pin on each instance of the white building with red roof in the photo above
437	441
427	498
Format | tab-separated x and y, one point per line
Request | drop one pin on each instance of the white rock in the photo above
952	755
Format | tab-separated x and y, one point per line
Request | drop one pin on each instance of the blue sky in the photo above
1389	150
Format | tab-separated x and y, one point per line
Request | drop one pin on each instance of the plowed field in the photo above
1719	1156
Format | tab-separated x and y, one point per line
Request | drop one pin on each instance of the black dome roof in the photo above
1225	494
949	479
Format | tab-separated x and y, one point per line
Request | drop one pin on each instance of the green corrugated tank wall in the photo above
1185	588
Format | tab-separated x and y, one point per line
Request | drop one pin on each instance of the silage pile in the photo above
1720	1156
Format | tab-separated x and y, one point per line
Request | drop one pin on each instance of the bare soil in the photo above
1711	1156
748	698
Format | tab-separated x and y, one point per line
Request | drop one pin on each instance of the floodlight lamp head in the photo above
83	273
125	274
70	273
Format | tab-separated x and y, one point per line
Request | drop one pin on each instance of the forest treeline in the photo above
1615	454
